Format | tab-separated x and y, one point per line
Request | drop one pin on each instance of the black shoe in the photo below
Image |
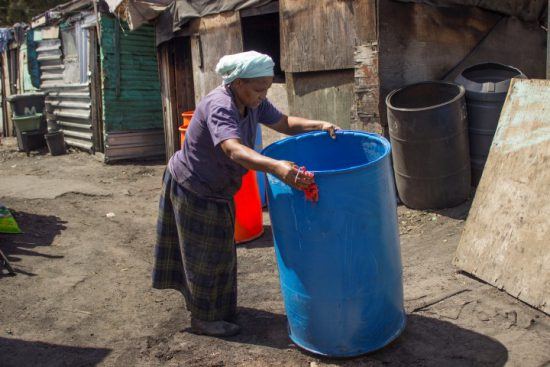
214	328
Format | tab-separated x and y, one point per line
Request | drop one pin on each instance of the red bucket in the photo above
248	210
183	128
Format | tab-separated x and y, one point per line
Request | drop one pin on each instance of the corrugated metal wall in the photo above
132	106
71	109
68	102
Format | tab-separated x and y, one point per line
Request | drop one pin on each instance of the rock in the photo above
482	316
110	215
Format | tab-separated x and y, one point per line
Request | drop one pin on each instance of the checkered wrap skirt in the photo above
195	251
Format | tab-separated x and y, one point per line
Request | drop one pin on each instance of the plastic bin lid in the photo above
13	97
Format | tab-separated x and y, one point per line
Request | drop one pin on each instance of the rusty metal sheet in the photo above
506	240
132	145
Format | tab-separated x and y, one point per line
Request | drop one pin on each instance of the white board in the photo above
506	240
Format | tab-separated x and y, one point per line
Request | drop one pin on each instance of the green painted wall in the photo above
26	82
132	66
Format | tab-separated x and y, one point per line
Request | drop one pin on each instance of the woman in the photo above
195	251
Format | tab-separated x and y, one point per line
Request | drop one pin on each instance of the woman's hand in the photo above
330	128
290	174
292	125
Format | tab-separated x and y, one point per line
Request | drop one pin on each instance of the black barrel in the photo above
486	88
429	136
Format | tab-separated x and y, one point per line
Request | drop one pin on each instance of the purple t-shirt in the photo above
201	165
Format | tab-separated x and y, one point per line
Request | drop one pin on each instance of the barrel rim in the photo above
380	139
495	65
461	93
474	87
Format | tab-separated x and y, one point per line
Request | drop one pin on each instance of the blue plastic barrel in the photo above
339	259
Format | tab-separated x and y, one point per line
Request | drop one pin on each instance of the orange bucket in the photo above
187	115
248	210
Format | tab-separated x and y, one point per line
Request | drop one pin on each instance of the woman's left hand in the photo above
329	128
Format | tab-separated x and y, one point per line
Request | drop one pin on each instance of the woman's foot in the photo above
214	328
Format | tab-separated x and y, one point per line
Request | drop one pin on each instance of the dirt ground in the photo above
82	294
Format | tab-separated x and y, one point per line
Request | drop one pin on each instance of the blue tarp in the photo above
6	34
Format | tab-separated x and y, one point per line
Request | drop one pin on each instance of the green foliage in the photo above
13	11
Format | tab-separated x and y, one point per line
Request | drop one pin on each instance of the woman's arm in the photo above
292	125
288	172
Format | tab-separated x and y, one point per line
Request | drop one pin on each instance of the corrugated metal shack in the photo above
14	72
101	81
337	60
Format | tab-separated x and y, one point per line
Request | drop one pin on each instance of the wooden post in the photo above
95	93
116	42
366	106
6	86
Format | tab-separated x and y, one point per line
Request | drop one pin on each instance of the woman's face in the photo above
251	92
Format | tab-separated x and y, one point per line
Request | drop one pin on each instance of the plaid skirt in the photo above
195	251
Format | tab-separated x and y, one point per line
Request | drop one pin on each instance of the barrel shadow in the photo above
457	212
425	341
266	240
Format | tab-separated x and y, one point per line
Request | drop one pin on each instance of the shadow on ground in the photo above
38	231
457	212
426	341
15	352
266	240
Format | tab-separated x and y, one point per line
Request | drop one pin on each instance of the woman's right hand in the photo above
290	174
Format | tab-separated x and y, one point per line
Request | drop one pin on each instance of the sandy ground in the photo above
82	294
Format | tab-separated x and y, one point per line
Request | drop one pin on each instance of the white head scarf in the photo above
250	64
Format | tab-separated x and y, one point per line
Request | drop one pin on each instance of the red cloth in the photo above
312	191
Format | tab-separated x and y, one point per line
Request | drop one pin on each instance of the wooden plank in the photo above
166	76
321	34
3	102
420	42
8	122
366	106
183	73
325	95
365	17
95	92
506	240
217	35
